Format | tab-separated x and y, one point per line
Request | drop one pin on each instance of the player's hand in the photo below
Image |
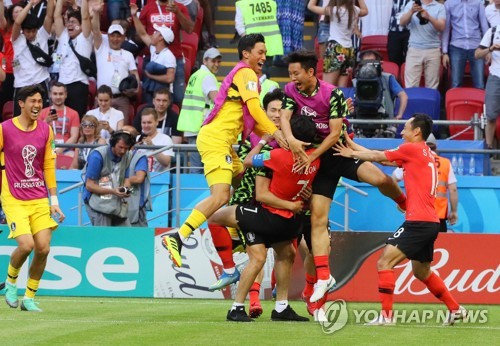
453	218
296	207
446	60
282	142
306	193
297	149
57	213
350	105
342	150
301	166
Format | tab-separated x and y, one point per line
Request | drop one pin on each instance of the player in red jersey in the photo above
415	238
272	223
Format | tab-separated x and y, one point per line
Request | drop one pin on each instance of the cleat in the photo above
381	321
11	295
173	244
454	316
319	315
321	287
28	304
225	280
238	315
255	309
287	315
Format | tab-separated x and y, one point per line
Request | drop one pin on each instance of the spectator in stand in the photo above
114	64
192	7
323	30
159	72
490	44
340	57
31	44
465	26
426	23
492	13
75	36
397	40
176	17
6	24
151	136
110	119
209	22
198	101
118	9
167	118
89	134
290	16
64	120
2	71
249	21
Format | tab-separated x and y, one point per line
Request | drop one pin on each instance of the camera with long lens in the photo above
126	190
422	20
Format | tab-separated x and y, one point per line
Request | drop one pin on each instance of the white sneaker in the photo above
454	316
381	321
321	287
319	315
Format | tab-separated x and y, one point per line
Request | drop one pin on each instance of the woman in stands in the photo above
89	134
340	57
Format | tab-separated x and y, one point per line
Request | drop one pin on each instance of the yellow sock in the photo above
12	274
31	288
233	233
195	219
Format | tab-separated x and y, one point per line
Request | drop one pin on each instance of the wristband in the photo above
263	142
54	200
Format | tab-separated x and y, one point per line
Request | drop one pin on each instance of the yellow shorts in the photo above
28	219
220	161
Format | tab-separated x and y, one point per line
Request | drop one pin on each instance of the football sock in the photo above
280	305
12	274
224	246
194	220
309	288
437	287
386	285
273	279
322	267
254	292
235	305
31	288
401	201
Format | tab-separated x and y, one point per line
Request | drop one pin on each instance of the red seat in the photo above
319	69
461	104
377	43
198	23
391	67
8	110
422	79
63	161
140	66
175	108
188	51
188	66
131	114
191	39
139	108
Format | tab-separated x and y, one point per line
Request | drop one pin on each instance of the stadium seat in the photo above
391	67
422	79
319	69
8	110
420	100
63	161
131	114
175	108
188	51
191	39
461	104
377	43
140	66
198	24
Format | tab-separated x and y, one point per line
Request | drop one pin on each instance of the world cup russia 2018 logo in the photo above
29	154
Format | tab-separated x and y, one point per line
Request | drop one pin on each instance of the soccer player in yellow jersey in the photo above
237	108
28	171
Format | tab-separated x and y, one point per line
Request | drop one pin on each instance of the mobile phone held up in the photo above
422	20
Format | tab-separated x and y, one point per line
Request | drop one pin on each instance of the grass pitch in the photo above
117	321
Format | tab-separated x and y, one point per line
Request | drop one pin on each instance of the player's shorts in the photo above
259	226
331	169
416	239
443	225
220	161
28	218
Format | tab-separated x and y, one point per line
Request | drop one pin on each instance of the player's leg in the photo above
371	174
255	305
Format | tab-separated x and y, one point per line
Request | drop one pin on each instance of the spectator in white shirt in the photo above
110	119
492	13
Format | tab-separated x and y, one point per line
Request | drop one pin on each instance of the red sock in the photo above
437	287
223	244
273	280
254	292
401	201
309	288
386	284
322	267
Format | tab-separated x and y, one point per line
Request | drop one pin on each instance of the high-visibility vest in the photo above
194	104
260	17
265	87
441	202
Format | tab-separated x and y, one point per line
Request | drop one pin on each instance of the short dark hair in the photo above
150	111
163	91
125	136
9	14
303	128
424	122
377	55
276	94
247	43
104	89
58	85
29	91
30	22
75	14
307	59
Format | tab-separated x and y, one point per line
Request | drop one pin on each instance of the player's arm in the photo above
49	174
140	171
453	215
263	195
247	162
356	148
296	146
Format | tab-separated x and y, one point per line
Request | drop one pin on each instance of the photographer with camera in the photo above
376	93
106	180
426	20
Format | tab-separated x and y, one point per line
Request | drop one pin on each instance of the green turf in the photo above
108	321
